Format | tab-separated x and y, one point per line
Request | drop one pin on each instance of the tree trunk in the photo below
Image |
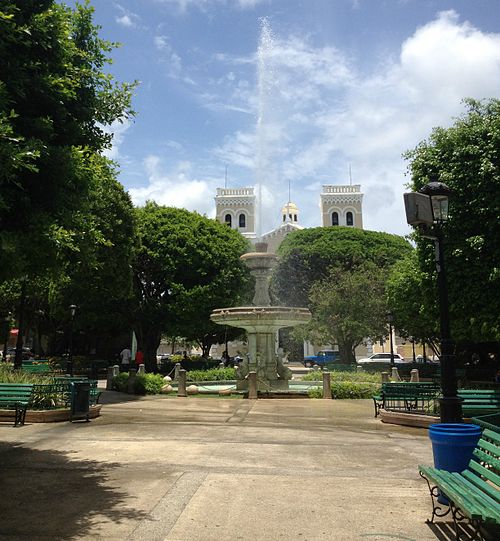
148	342
346	350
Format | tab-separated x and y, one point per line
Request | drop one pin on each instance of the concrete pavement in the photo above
213	469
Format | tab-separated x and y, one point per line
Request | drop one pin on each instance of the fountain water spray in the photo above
265	83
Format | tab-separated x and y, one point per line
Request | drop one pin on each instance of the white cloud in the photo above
321	114
203	5
176	187
126	17
118	129
171	60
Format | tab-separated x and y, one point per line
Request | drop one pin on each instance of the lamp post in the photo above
427	208
69	366
390	319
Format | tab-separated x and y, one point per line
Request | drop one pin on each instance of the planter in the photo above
50	416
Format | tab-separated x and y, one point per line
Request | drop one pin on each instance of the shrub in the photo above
364	377
148	384
9	375
347	389
120	382
144	383
213	374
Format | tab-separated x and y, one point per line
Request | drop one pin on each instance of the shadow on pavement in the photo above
47	495
445	531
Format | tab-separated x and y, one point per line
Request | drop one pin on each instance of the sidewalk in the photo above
206	469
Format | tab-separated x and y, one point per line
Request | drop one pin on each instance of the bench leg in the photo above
378	406
437	509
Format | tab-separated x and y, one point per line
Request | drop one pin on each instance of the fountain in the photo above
261	322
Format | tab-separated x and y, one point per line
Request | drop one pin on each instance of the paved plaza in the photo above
210	469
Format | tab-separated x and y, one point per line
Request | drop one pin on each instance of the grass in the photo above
360	377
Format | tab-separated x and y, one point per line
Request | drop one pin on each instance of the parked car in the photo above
381	358
323	357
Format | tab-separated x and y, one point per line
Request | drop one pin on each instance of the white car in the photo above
381	358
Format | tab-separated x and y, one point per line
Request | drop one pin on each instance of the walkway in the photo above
205	469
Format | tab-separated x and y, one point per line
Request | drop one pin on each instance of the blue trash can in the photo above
452	446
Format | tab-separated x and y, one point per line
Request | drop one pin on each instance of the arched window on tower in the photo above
228	220
294	217
335	218
349	220
242	220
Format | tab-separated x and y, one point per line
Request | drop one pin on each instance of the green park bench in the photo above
95	392
479	401
16	396
36	366
472	494
409	397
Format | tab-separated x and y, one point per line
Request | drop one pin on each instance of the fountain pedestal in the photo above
262	322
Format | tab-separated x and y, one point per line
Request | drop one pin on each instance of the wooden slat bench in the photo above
415	397
36	367
95	392
472	494
479	401
16	396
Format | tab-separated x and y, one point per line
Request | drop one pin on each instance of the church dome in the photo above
290	212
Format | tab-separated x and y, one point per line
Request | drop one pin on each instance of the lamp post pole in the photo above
69	367
450	404
390	319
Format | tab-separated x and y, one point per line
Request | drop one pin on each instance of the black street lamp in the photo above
390	319
427	208
69	366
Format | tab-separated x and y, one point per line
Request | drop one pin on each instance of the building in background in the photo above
339	205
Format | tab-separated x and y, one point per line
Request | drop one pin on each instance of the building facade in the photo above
340	205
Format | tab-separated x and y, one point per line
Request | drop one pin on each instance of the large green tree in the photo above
339	273
466	157
411	296
348	307
94	273
185	266
55	100
306	257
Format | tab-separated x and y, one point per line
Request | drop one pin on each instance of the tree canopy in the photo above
466	157
185	266
306	257
55	101
348	307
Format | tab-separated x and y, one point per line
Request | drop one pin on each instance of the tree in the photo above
306	257
466	157
186	265
95	273
347	307
409	296
55	100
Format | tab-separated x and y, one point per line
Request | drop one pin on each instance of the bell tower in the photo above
342	205
236	208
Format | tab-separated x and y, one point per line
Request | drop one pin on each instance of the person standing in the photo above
139	358
125	356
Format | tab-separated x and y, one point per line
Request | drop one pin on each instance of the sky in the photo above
292	93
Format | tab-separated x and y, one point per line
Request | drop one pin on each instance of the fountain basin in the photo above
261	319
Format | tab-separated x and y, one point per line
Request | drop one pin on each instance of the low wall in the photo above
48	416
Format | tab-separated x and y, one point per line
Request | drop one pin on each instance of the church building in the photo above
339	205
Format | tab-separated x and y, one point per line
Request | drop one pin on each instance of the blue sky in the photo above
341	83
